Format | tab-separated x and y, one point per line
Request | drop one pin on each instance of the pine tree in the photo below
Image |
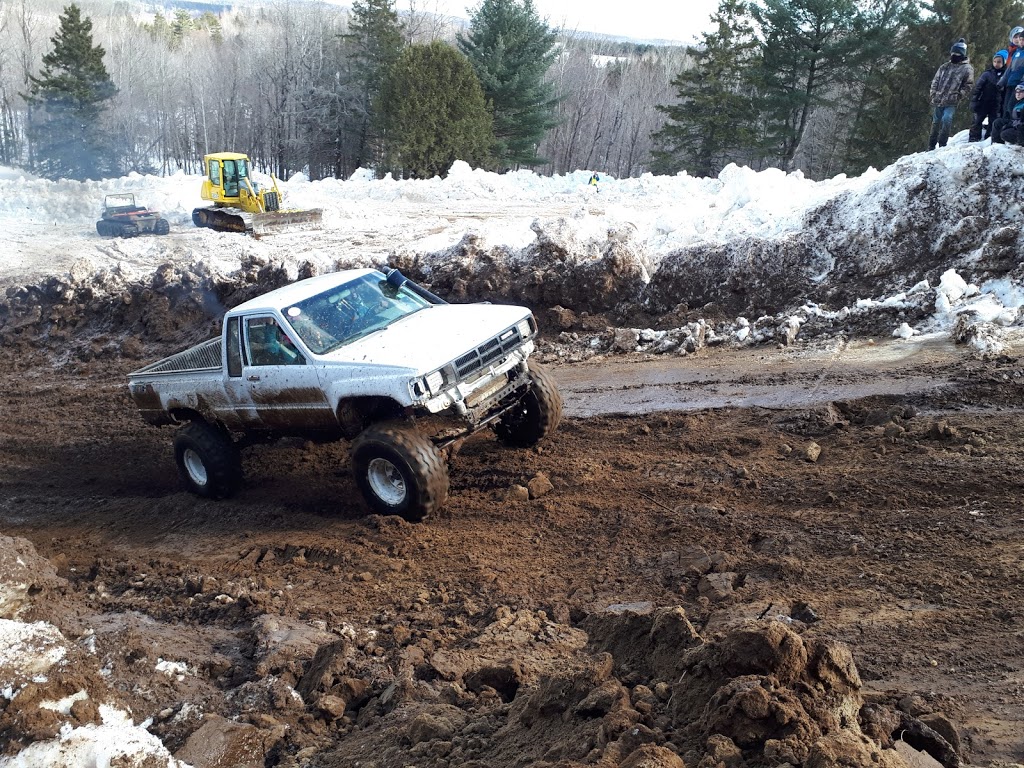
68	99
160	29
714	117
435	111
375	40
808	48
181	26
211	24
511	50
891	112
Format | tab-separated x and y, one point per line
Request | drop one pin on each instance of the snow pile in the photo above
54	702
33	659
757	256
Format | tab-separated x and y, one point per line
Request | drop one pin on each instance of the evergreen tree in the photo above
891	115
181	26
211	24
68	99
375	39
160	29
714	117
809	49
511	50
435	111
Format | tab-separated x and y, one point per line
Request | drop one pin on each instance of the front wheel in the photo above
399	471
208	462
162	227
535	416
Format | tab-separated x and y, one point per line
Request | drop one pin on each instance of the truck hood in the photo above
428	339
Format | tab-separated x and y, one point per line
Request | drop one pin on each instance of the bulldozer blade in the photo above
284	221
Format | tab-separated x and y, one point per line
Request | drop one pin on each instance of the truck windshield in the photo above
351	311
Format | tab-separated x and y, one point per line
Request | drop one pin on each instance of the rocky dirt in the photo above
836	583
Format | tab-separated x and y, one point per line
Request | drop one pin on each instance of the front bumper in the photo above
475	397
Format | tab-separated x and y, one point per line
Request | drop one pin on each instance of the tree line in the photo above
823	86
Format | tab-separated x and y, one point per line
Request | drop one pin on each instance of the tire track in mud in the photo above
805	377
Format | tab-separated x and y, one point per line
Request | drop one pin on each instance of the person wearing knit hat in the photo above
1014	70
952	81
986	98
1009	129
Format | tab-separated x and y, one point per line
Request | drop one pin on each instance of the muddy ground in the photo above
849	572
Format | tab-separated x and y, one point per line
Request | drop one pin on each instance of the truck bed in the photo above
202	357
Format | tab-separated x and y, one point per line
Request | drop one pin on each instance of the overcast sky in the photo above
682	20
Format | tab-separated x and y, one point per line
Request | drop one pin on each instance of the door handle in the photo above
254	378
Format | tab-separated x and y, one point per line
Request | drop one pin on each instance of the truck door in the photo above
239	393
284	391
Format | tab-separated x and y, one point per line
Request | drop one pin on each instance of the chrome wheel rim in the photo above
386	482
195	467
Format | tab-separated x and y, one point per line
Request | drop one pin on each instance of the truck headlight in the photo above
523	326
434	381
429	385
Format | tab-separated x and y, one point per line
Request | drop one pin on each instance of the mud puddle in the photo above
802	377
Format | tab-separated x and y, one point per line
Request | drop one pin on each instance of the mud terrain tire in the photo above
536	416
208	462
399	471
162	227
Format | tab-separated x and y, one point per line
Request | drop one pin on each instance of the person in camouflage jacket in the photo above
952	81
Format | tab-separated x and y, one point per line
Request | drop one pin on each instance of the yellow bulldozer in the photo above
241	205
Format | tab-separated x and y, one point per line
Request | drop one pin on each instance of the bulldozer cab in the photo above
228	175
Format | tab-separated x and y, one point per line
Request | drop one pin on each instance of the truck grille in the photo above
488	352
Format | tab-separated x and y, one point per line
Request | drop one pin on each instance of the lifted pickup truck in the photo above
353	355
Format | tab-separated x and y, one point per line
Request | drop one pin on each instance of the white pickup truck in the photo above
353	355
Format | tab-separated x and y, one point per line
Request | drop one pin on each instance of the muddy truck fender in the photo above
181	386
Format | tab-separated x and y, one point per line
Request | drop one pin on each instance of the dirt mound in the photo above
102	313
874	242
760	694
559	268
26	576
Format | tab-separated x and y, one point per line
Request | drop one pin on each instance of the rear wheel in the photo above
128	230
399	471
208	462
535	416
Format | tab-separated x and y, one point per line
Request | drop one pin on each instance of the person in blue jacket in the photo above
987	99
1014	71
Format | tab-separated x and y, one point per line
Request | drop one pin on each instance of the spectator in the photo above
986	98
1013	71
1010	129
952	81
